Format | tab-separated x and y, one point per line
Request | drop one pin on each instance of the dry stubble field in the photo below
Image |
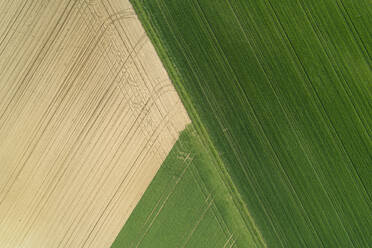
87	115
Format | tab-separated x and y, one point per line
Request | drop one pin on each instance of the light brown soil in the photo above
87	116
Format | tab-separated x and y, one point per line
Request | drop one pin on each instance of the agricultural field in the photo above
187	204
279	93
87	116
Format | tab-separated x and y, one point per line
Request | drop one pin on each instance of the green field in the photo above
187	204
280	94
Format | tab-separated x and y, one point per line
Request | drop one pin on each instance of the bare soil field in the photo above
87	116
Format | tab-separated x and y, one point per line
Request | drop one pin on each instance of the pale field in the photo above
87	116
